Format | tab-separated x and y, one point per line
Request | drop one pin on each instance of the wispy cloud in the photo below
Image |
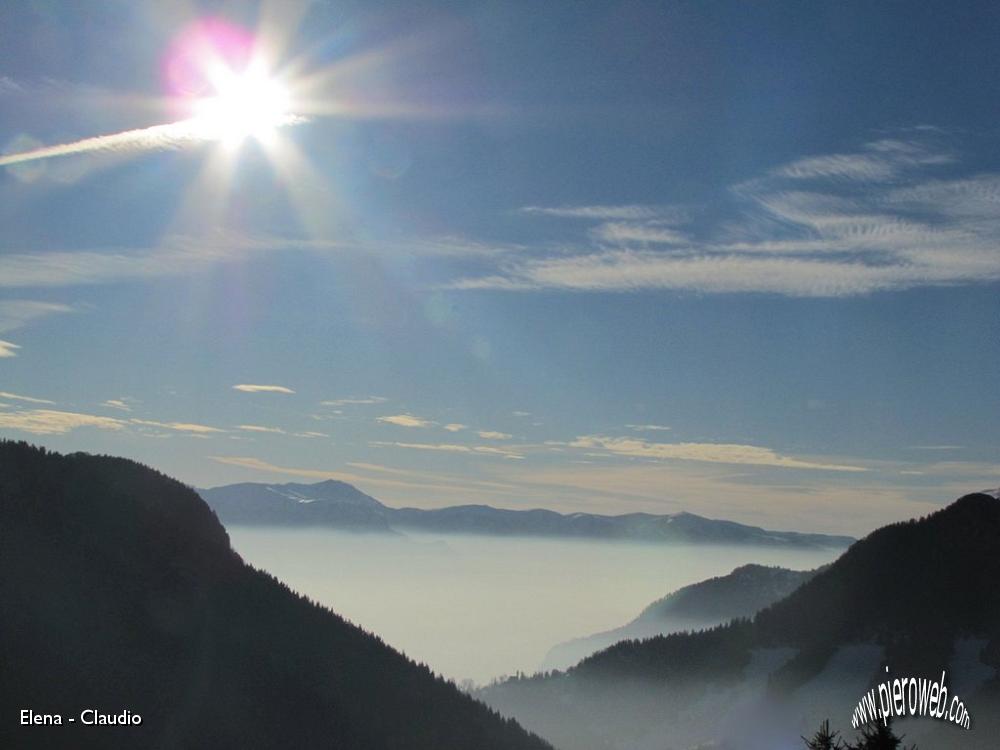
181	255
405	420
9	86
634	270
964	470
16	313
265	430
53	422
8	349
722	453
260	428
451	448
56	422
621	233
186	427
494	435
627	212
355	401
877	161
122	404
28	399
251	388
831	225
454	427
177	255
648	427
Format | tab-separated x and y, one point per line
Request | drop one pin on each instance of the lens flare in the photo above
223	82
201	46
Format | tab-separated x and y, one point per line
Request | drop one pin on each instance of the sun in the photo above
244	104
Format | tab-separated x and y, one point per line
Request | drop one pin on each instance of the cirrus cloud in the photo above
260	428
251	388
405	420
28	399
619	212
451	448
355	401
835	225
54	422
16	313
186	427
722	453
121	404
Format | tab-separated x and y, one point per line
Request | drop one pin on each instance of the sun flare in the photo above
246	104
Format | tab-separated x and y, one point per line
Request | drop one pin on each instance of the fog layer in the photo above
477	607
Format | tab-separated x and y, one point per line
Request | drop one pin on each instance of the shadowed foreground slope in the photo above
120	591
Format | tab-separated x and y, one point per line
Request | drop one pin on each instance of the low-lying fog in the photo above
478	607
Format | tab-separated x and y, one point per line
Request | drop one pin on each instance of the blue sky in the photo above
735	259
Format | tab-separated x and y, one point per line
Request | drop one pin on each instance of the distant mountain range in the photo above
119	591
340	505
742	593
330	503
910	599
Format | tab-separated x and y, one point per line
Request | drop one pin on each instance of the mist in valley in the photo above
479	607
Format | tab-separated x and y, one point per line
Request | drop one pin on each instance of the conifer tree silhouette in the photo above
879	736
824	739
875	736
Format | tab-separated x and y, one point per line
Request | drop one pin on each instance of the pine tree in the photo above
824	739
879	736
876	736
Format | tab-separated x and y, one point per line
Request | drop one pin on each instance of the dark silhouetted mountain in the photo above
339	505
917	597
120	591
716	601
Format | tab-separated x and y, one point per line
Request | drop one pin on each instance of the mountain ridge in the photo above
341	505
